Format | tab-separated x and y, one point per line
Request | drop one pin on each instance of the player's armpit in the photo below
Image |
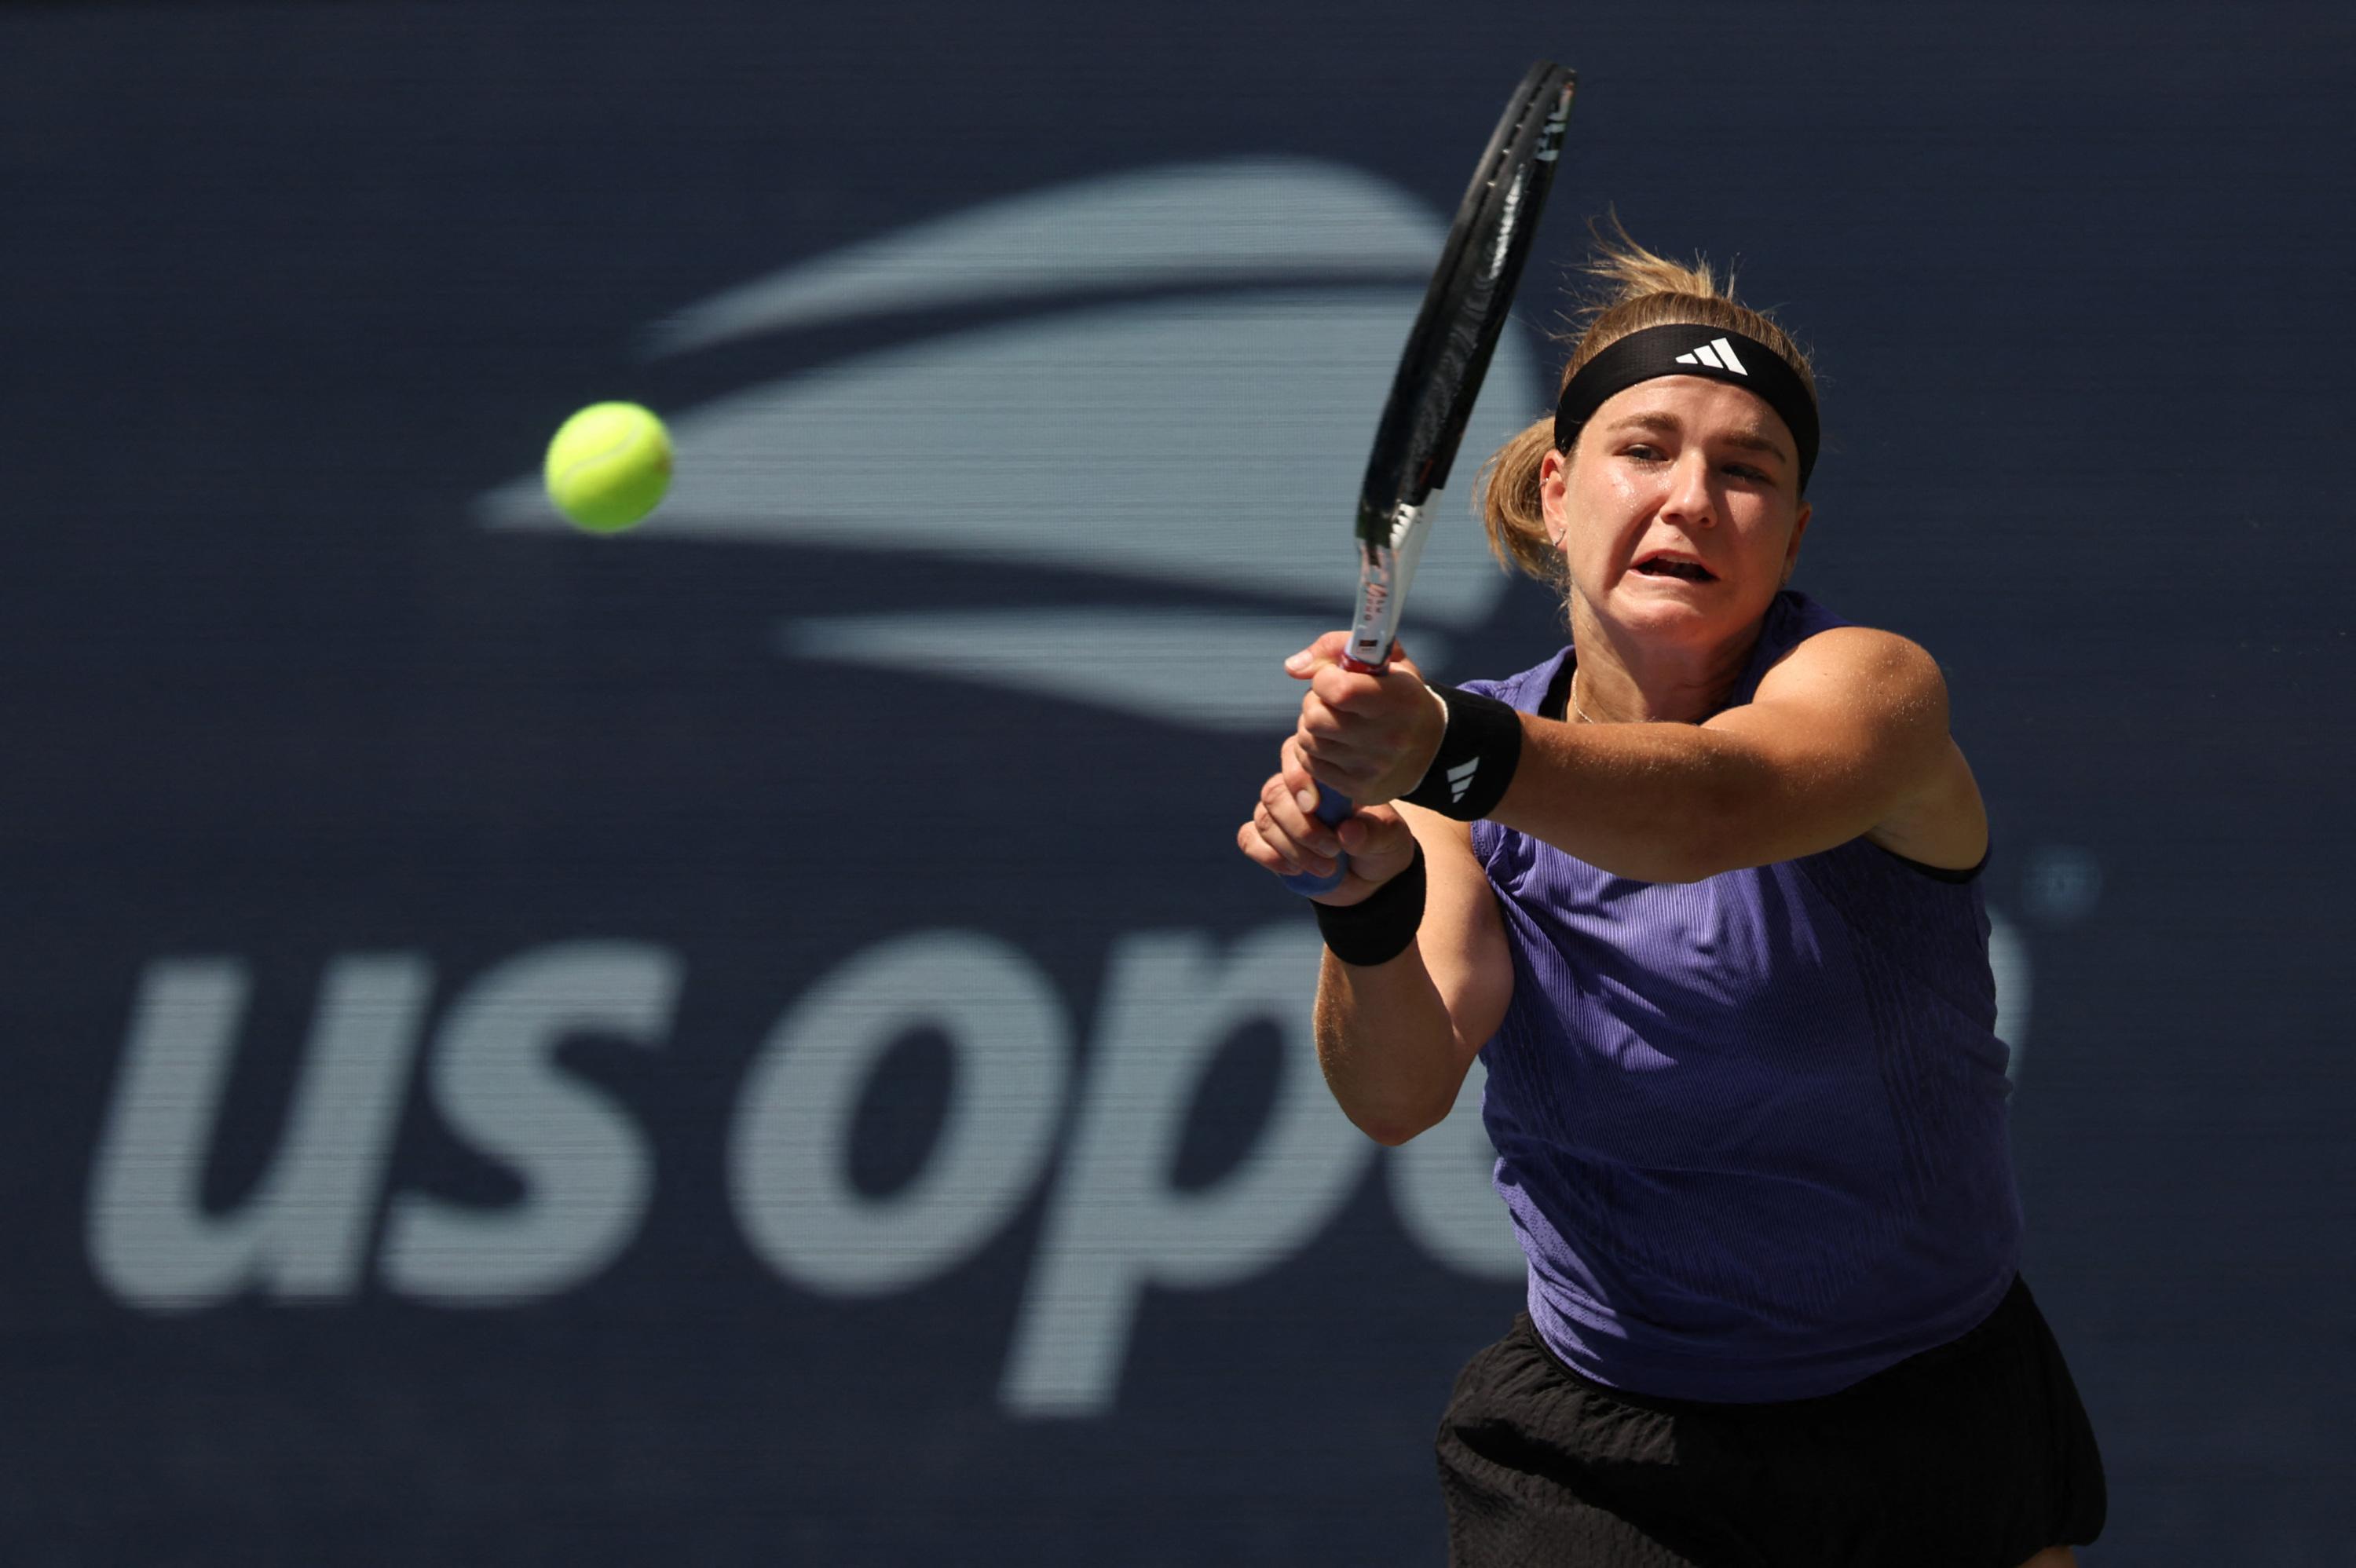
1463	938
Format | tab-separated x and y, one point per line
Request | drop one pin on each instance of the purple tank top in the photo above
1750	1129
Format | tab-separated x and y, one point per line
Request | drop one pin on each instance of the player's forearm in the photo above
1654	803
1386	1046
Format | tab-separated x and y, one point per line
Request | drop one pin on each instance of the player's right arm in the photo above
1395	1039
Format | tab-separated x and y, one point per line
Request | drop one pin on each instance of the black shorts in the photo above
1975	1454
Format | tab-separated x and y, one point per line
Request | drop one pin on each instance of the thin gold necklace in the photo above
1583	714
1586	717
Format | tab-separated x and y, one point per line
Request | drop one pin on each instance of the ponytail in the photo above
1510	507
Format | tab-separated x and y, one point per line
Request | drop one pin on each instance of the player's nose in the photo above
1688	499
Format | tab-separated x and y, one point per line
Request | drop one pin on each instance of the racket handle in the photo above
1331	806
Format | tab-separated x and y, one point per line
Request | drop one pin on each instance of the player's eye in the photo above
1643	451
1744	471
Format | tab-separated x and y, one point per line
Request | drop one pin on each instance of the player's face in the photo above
1679	514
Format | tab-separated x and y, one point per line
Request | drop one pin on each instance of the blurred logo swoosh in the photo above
1198	448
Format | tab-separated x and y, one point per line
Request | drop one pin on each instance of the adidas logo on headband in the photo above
1717	353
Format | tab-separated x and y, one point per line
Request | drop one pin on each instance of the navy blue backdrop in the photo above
749	1041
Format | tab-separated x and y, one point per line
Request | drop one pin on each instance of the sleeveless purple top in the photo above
1750	1129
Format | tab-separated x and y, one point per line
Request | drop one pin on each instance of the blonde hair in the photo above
1639	290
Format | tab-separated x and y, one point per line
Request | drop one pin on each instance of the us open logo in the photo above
1167	386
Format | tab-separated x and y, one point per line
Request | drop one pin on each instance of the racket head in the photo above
1472	292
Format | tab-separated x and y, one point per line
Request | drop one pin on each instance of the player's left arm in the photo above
1846	736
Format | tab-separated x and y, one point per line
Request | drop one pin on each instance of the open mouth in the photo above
1667	566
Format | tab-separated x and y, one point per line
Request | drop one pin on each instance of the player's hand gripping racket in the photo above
1440	373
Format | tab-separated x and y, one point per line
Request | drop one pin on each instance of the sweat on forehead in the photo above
1679	349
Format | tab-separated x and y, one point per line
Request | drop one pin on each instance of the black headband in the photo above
1681	350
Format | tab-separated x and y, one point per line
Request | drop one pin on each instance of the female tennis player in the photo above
1702	891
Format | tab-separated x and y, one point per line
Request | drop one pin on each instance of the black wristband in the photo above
1478	754
1378	927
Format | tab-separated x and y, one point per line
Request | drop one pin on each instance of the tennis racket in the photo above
1438	375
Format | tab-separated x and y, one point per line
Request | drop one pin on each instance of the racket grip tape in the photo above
1331	804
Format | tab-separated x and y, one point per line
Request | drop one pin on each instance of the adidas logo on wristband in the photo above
1480	747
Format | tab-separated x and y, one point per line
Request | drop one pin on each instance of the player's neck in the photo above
1623	680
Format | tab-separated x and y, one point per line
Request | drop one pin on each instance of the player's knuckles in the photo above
1268	853
1285	817
1284	839
1322	727
1344	688
1259	852
1332	776
1326	651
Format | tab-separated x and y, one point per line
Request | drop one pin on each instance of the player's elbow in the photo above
1392	1130
1394	1118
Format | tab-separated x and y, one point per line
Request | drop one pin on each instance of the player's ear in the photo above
1554	487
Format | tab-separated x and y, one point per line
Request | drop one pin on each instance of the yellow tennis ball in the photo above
609	466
